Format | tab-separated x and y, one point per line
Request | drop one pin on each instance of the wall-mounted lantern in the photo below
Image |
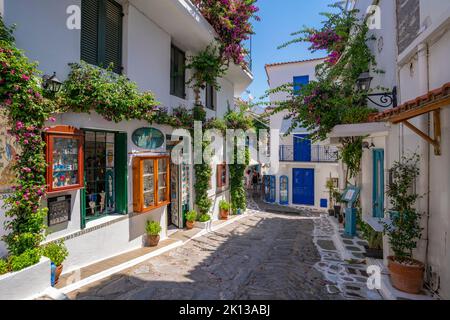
383	100
51	83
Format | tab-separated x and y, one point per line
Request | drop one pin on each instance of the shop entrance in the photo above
105	192
179	189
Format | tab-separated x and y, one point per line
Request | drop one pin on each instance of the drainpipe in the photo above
423	185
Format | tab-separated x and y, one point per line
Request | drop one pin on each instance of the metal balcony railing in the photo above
318	154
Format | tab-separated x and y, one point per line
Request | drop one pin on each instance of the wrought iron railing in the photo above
318	154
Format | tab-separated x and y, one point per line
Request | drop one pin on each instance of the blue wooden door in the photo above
303	186
302	148
378	183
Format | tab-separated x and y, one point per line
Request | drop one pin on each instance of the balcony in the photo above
325	154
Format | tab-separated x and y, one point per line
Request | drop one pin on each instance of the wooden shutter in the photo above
101	33
121	170
113	35
89	31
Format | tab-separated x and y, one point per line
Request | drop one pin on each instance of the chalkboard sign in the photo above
59	210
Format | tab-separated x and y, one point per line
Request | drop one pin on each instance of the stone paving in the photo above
274	252
349	276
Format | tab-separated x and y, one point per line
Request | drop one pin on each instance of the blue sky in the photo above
279	18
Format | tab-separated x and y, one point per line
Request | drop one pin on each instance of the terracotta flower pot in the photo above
58	272
152	241
224	214
406	278
190	225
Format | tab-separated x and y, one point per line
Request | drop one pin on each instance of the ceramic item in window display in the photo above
109	190
55	182
92	206
102	200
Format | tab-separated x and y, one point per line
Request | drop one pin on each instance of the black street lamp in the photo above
51	83
383	100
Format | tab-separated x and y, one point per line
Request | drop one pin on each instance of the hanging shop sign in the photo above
148	138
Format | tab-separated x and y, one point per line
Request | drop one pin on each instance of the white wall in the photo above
42	32
417	75
322	172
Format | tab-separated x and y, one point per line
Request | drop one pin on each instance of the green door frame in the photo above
121	175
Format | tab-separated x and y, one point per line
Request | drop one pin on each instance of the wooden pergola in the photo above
432	102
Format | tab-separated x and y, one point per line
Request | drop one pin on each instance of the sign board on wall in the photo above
59	209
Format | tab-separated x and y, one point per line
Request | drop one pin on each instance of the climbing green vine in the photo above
26	109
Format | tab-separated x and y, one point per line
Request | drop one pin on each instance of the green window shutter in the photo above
113	35
177	73
121	165
101	33
89	31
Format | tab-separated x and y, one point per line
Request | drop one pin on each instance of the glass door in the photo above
100	173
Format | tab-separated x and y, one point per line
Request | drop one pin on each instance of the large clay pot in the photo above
152	241
190	225
224	214
331	212
406	278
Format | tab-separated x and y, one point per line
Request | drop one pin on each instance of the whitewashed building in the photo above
412	47
148	40
300	176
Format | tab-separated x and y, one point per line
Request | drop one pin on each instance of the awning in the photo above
433	102
358	129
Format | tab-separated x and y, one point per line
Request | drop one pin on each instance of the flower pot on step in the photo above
337	211
406	277
331	212
189	225
224	214
152	241
55	273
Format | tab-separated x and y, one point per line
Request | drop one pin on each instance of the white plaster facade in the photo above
149	29
421	67
279	74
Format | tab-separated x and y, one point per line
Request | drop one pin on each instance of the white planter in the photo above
26	283
203	225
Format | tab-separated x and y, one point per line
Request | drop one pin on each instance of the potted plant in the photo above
191	216
57	253
204	222
374	249
331	189
224	207
337	206
404	229
153	229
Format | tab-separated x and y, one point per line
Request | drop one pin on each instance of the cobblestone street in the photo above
263	256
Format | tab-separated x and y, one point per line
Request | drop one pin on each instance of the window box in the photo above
151	183
64	156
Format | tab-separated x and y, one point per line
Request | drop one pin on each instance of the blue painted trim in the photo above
324	203
378	183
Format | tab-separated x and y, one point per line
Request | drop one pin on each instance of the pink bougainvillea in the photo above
231	20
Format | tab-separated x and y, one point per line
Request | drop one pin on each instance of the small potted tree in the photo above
224	207
337	196
191	216
153	229
404	229
57	253
331	189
